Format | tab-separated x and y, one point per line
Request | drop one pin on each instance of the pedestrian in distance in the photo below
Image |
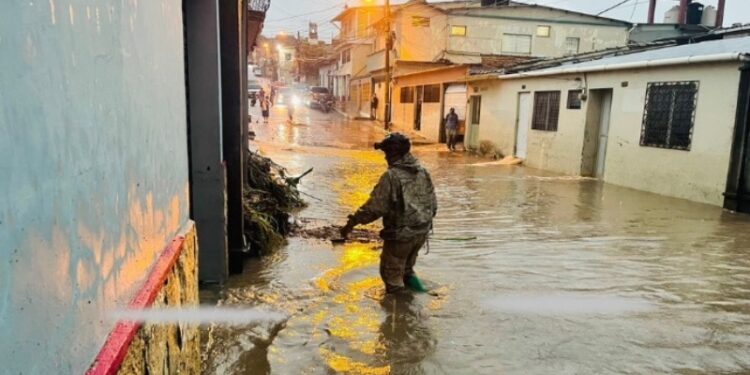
265	106
374	106
404	198
451	128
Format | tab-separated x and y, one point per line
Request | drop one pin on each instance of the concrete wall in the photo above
93	156
698	175
420	43
485	29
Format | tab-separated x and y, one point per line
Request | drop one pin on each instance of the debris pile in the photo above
270	198
332	232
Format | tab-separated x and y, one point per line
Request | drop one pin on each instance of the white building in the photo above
672	121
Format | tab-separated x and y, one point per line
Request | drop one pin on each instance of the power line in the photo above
613	7
307	14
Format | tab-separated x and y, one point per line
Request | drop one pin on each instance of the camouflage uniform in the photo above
405	198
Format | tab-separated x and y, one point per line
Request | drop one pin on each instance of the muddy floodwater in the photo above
532	273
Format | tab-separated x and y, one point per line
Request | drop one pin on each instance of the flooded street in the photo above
532	273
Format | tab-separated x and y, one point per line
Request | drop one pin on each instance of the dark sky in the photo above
291	16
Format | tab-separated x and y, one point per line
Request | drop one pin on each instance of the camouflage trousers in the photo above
397	261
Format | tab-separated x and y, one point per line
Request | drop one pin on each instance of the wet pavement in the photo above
533	273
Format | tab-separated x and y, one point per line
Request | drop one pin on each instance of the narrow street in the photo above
532	273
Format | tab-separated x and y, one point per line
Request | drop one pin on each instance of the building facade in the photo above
665	120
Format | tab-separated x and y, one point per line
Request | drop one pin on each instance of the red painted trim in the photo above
113	352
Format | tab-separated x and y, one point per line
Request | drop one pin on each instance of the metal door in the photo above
601	154
523	122
475	108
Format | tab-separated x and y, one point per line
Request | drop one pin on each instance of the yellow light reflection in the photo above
354	189
342	364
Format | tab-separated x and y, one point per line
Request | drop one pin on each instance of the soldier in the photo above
405	198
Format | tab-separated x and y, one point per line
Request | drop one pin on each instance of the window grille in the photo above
572	46
517	44
431	94
669	114
574	99
407	95
546	110
476	109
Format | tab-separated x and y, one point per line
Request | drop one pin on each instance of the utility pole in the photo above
388	47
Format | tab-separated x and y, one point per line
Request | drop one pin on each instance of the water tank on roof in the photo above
709	16
672	15
694	13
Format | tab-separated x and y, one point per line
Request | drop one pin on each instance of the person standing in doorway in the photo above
374	106
451	128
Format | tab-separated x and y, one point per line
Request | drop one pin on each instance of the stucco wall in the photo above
420	43
94	164
485	33
698	174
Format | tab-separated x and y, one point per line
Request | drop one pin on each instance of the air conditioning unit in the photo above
489	3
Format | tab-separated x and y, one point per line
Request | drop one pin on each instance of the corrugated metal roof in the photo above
662	55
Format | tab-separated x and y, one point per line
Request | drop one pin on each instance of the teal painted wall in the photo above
93	169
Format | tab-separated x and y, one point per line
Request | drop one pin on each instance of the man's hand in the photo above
346	229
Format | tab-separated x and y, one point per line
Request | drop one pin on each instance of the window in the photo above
457	30
418	21
346	56
543	31
572	45
407	95
546	110
517	43
669	114
574	99
431	94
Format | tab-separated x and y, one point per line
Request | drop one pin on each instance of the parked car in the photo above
319	97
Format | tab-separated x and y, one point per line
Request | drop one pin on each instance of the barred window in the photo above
546	110
669	114
574	99
517	44
407	95
431	94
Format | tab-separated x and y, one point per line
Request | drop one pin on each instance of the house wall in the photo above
420	43
431	112
698	175
94	165
484	31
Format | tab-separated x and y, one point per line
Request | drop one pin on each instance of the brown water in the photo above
534	274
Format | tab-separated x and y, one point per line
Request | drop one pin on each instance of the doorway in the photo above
418	107
596	134
523	122
475	114
737	195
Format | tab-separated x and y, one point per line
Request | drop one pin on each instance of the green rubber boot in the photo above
415	284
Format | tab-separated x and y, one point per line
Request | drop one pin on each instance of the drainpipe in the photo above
683	11
720	14
651	11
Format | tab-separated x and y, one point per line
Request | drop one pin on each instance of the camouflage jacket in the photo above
404	197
